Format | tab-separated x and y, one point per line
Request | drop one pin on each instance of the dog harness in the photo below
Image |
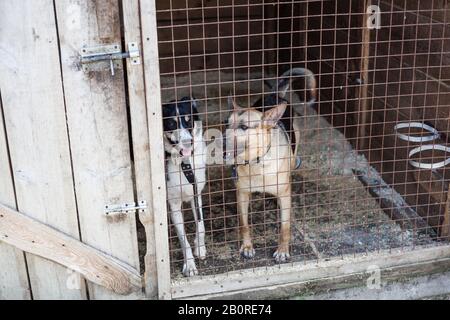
190	177
188	172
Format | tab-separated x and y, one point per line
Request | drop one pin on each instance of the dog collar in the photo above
190	176
258	159
281	126
188	172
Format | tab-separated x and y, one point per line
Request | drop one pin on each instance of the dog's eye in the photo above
170	125
243	127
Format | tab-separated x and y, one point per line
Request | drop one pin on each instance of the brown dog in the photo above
260	146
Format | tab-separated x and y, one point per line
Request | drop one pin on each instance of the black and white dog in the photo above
186	177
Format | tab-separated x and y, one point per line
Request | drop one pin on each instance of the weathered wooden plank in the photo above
339	267
328	285
445	227
33	104
154	112
98	130
141	147
364	67
13	272
34	237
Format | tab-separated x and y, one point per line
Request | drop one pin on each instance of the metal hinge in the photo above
108	57
131	207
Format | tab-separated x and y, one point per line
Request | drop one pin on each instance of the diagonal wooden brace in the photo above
39	239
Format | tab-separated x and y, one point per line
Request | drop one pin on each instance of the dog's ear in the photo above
272	116
194	105
232	104
195	109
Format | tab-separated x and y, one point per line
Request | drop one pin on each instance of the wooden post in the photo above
141	147
445	227
364	77
154	111
270	13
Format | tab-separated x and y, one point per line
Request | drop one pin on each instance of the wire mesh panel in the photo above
302	130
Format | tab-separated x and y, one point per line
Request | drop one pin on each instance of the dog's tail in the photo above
284	82
280	89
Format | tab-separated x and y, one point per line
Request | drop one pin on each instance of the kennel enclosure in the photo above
82	159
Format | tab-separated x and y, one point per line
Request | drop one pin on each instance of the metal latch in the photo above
108	57
125	208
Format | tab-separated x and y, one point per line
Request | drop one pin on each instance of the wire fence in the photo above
306	97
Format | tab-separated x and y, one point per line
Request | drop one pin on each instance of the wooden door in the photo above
65	150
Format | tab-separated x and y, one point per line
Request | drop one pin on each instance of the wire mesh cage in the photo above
353	96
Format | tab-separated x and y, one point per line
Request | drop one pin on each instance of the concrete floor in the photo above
432	287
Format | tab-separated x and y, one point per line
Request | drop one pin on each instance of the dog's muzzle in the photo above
182	142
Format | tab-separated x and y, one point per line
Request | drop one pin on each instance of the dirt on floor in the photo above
333	213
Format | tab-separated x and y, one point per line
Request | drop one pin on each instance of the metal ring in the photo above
421	165
434	133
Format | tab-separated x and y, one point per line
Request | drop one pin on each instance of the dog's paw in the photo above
189	269
282	254
247	251
200	252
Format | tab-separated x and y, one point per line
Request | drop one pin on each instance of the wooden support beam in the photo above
278	278
141	145
445	227
155	130
362	92
41	240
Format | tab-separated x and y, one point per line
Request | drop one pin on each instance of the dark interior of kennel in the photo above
368	80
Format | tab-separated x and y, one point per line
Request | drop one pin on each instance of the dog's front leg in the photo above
243	198
189	268
200	247
282	253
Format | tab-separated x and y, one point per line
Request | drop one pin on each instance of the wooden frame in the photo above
445	226
141	145
154	113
